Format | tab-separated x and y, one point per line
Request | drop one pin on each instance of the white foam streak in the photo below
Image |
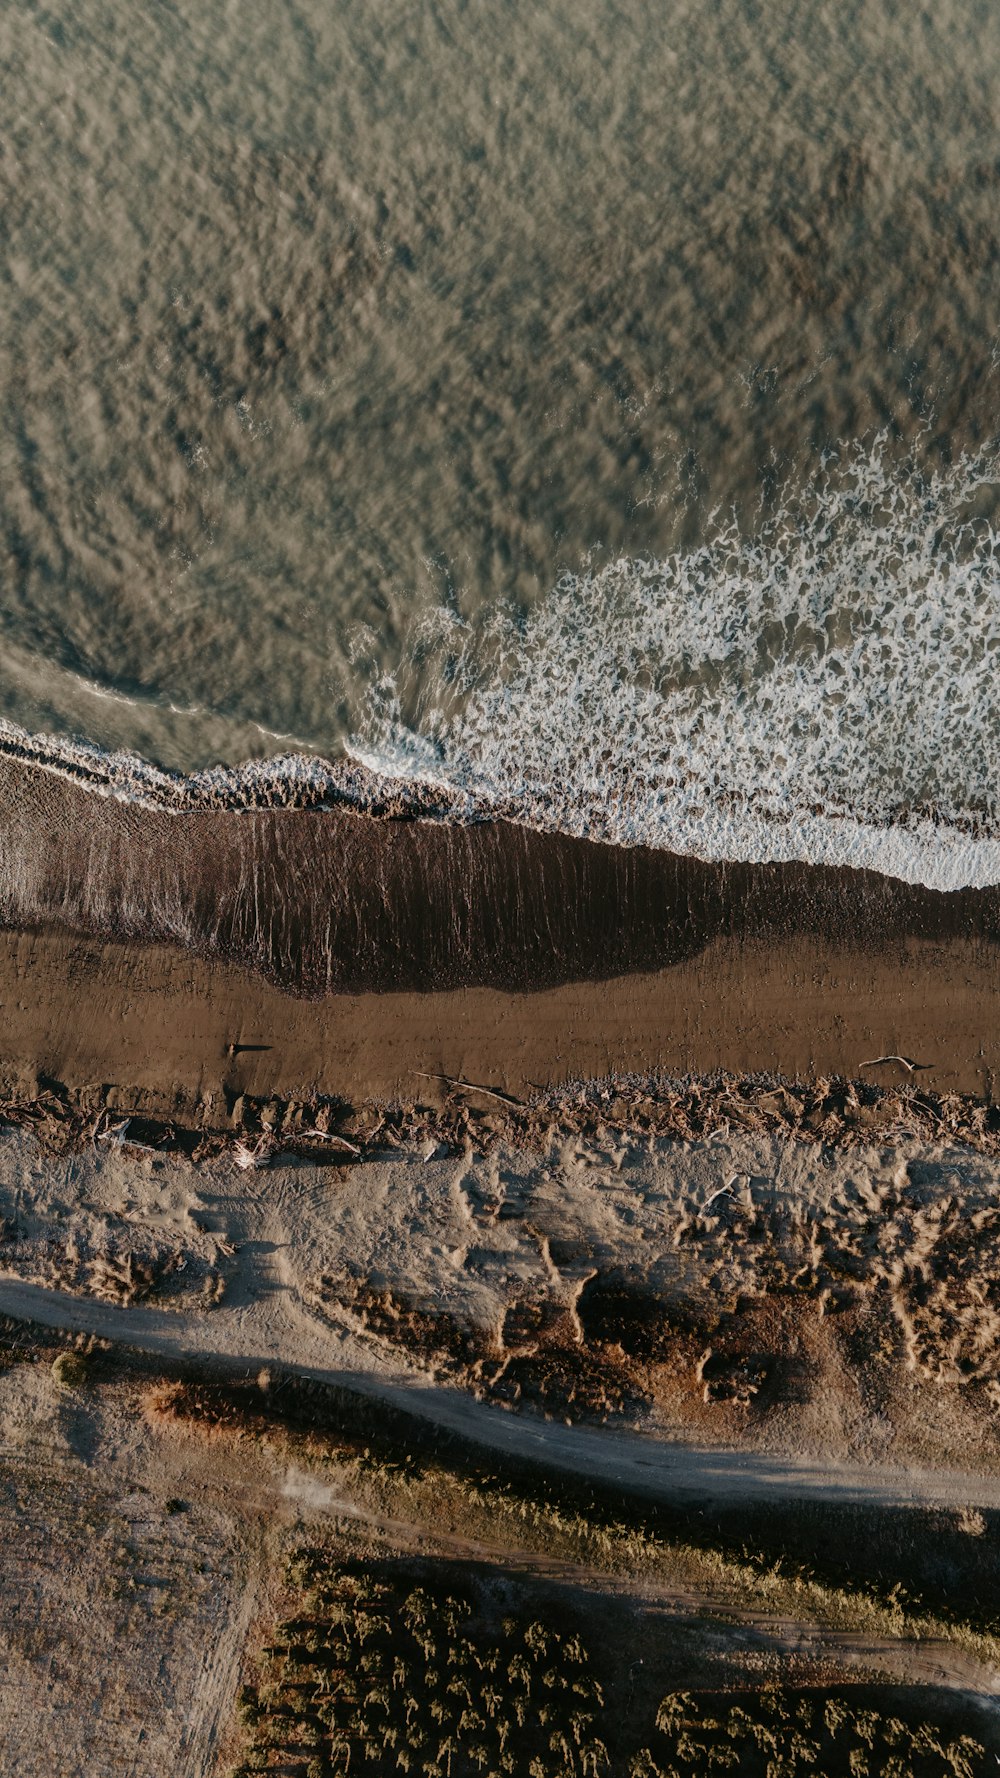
826	691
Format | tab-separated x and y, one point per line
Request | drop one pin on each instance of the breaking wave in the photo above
824	691
288	781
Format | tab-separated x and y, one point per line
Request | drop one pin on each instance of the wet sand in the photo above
359	954
337	899
157	1019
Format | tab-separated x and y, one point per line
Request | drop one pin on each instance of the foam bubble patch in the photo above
825	690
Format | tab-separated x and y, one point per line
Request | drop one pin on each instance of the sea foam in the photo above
824	690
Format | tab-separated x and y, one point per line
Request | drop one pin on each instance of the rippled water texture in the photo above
318	317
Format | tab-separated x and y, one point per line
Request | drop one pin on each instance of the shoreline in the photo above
342	953
917	844
340	901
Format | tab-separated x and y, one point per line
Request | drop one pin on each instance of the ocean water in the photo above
586	412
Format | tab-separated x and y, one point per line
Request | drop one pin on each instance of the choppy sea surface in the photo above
585	411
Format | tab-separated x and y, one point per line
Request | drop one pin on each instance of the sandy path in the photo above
286	1335
74	1597
215	1687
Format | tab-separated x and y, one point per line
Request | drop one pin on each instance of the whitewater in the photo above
823	690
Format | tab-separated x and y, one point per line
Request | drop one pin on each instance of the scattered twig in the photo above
118	1134
936	1115
906	1061
470	1086
331	1136
247	1158
721	1192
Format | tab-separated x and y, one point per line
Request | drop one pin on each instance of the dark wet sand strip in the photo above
331	899
280	950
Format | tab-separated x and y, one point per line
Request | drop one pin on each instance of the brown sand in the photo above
84	1012
363	954
331	899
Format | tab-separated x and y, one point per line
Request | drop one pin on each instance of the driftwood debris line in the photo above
470	1086
328	1131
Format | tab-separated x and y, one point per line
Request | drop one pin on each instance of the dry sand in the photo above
122	1621
829	1308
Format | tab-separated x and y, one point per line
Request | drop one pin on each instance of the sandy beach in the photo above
500	890
293	950
87	1013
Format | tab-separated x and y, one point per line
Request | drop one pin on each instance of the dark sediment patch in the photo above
332	899
536	1360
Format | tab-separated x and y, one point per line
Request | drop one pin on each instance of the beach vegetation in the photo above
69	1370
383	1667
779	1733
388	1675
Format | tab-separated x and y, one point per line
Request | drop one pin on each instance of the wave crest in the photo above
825	690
